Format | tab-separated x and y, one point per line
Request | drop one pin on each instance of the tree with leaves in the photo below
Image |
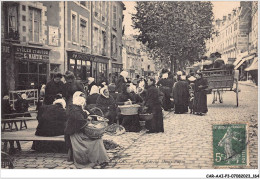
174	30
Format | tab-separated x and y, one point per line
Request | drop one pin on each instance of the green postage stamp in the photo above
230	144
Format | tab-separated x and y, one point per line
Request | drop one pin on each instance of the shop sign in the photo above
230	144
79	56
29	53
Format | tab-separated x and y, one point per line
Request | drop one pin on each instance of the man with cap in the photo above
53	88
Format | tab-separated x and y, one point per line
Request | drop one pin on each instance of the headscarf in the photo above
94	90
60	101
165	75
133	87
102	92
124	74
183	77
24	96
79	99
90	80
179	73
192	78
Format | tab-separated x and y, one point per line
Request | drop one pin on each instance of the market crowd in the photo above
65	108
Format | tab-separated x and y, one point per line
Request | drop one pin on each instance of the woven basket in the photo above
146	117
129	109
95	133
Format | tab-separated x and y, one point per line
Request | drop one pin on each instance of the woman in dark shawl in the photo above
165	86
130	123
85	152
121	81
154	106
51	122
200	97
107	104
181	95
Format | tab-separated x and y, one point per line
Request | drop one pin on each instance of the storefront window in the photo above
31	75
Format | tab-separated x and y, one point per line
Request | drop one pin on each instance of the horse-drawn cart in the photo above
220	80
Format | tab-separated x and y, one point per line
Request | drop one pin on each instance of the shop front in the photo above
31	67
86	65
116	70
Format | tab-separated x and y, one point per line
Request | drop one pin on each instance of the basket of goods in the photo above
96	126
131	109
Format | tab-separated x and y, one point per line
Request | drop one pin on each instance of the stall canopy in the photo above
253	66
243	60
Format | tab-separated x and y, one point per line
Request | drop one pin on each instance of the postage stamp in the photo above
230	144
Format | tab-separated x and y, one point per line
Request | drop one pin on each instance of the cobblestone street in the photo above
185	144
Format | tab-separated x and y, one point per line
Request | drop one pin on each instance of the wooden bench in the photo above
25	135
8	124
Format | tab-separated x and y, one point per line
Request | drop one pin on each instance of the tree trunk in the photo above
173	65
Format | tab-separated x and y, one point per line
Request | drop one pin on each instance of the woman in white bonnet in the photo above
122	80
84	151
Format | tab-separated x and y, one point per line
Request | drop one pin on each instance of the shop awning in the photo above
243	60
253	66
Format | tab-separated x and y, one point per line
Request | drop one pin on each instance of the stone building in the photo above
42	38
236	37
135	58
232	33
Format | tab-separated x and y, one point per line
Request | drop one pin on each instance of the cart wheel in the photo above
237	92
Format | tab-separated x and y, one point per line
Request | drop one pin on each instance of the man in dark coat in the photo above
53	88
181	95
70	87
154	106
200	97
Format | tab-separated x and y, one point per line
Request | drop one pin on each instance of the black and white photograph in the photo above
133	88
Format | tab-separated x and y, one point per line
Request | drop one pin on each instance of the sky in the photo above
220	8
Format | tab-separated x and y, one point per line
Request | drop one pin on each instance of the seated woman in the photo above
85	152
21	106
93	95
51	122
130	123
107	104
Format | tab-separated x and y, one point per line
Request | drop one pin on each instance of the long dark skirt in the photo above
200	102
167	97
156	124
131	123
181	108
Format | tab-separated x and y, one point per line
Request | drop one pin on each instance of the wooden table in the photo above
8	124
25	135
